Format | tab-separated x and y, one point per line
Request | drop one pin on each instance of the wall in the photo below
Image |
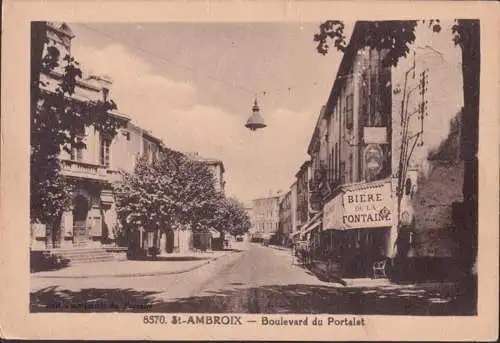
125	148
435	165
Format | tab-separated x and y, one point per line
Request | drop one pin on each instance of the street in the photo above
251	279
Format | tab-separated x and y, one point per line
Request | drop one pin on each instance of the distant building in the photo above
266	215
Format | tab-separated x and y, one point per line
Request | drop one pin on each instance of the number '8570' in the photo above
154	319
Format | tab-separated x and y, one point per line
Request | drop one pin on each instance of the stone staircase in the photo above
85	255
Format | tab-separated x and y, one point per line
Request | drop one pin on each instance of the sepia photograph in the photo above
344	178
249	170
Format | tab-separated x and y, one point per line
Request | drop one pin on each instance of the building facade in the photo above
266	216
387	179
285	219
91	221
87	222
351	167
302	210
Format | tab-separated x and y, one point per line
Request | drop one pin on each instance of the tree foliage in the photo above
175	192
238	220
392	36
56	121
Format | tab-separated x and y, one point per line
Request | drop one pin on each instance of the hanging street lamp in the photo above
255	121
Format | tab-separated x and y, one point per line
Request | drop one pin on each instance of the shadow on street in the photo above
296	298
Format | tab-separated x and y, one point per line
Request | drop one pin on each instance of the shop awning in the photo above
314	223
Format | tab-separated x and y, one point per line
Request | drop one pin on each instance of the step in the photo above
85	255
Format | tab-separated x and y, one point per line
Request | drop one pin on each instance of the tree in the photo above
56	120
238	220
395	37
172	192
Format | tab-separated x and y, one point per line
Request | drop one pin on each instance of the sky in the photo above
193	85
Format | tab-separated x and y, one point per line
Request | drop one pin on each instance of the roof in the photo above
195	156
314	137
344	69
149	135
272	197
303	167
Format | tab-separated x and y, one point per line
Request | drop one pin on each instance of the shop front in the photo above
356	228
306	242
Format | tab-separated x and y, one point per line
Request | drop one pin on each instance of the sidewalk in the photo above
164	265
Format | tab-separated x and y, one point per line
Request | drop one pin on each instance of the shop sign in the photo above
373	158
369	207
375	135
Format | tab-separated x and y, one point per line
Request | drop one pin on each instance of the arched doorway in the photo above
80	227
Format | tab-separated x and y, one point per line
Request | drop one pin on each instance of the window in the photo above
349	112
104	152
154	154
351	169
77	150
337	160
342	172
364	99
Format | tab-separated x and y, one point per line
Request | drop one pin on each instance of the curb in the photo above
130	274
279	248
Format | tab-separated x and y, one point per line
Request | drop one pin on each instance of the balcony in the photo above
84	170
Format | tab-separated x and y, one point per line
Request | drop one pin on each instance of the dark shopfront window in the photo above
355	249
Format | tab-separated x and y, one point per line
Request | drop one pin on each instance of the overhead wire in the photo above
263	92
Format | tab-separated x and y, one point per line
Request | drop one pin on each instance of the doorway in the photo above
80	226
170	241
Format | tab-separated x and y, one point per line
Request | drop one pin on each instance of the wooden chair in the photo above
379	269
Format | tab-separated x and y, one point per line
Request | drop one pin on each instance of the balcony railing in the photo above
83	170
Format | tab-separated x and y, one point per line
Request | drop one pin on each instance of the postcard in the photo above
282	170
